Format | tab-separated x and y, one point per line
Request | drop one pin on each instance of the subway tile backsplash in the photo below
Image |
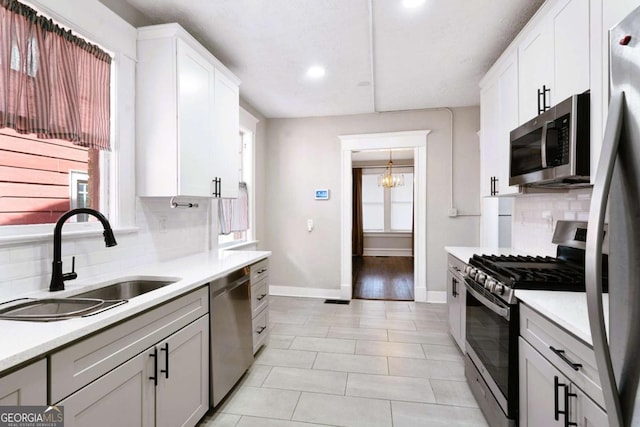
164	233
535	217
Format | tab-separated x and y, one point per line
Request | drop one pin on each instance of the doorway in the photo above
411	140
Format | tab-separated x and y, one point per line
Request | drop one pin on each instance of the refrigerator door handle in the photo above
593	259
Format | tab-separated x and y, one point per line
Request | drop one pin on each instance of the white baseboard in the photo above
387	252
295	291
437	296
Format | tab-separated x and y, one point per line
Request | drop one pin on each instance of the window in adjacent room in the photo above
386	209
55	125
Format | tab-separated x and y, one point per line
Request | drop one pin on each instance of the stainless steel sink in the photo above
47	309
126	289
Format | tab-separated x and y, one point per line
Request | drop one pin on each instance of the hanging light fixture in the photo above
388	179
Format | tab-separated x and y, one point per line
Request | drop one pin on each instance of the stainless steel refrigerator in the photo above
618	183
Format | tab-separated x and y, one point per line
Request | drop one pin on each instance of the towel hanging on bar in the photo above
233	214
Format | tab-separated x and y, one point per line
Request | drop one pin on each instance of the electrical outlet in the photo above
453	212
310	225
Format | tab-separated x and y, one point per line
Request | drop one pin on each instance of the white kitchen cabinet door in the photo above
123	397
508	102
182	395
226	155
535	69
489	137
195	124
540	398
588	414
26	386
570	49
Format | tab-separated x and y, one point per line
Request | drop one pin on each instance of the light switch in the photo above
310	225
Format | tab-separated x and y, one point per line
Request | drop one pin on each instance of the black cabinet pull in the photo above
545	90
165	371
261	330
567	395
155	366
560	353
540	109
261	297
454	287
217	187
556	406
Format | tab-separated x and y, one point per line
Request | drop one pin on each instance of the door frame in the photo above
416	140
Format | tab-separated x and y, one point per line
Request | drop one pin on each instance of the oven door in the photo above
492	343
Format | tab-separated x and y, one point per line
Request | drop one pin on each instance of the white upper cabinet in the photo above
187	117
554	55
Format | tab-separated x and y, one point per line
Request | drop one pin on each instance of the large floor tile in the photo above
327	345
267	422
330	382
343	411
351	363
403	325
358	333
436	369
396	349
219	419
407	414
390	387
455	393
300	330
442	352
315	320
279	341
278	316
422	337
289	358
256	375
262	402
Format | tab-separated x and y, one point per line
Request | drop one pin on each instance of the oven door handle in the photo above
500	311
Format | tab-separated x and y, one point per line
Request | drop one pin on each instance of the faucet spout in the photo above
57	276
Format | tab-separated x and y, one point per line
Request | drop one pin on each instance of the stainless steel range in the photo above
492	317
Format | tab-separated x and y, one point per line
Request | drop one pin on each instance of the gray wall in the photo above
304	154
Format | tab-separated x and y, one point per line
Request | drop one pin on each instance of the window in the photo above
53	130
386	209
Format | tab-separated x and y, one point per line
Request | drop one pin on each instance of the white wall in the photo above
535	217
304	154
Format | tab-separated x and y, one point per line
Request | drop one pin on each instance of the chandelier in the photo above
388	179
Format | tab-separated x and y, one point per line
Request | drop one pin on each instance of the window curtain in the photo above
233	214
52	83
357	235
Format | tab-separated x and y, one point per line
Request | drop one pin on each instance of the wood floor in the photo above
385	278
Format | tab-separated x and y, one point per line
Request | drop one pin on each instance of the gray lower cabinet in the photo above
456	301
260	303
165	385
26	386
150	370
559	383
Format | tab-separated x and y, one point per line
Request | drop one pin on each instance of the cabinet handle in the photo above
261	297
567	395
261	330
155	366
556	406
454	287
545	90
217	184
560	353
166	360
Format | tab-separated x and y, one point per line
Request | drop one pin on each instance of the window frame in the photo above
96	23
387	203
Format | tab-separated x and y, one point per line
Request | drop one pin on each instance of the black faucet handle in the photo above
73	275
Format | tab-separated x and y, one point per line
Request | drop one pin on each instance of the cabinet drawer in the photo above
259	270
260	329
81	363
545	336
259	296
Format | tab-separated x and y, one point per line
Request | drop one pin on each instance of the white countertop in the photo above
464	253
24	341
566	309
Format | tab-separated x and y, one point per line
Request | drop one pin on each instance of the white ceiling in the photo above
378	55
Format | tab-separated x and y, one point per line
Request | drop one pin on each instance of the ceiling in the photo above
378	55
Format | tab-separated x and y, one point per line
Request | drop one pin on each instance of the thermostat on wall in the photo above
322	194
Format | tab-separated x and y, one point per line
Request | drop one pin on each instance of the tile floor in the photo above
369	363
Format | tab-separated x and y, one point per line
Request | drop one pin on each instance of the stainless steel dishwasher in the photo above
231	333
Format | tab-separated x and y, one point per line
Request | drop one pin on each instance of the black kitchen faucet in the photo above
57	277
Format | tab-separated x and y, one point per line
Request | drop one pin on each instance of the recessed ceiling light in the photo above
315	72
412	4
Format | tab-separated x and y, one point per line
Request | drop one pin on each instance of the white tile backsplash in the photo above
535	217
164	233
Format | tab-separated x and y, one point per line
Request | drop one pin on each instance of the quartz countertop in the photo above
464	253
566	309
24	341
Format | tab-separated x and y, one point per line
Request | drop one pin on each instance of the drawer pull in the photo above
556	406
261	297
261	330
155	366
262	270
166	360
560	353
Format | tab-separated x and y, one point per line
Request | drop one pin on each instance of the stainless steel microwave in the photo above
553	149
